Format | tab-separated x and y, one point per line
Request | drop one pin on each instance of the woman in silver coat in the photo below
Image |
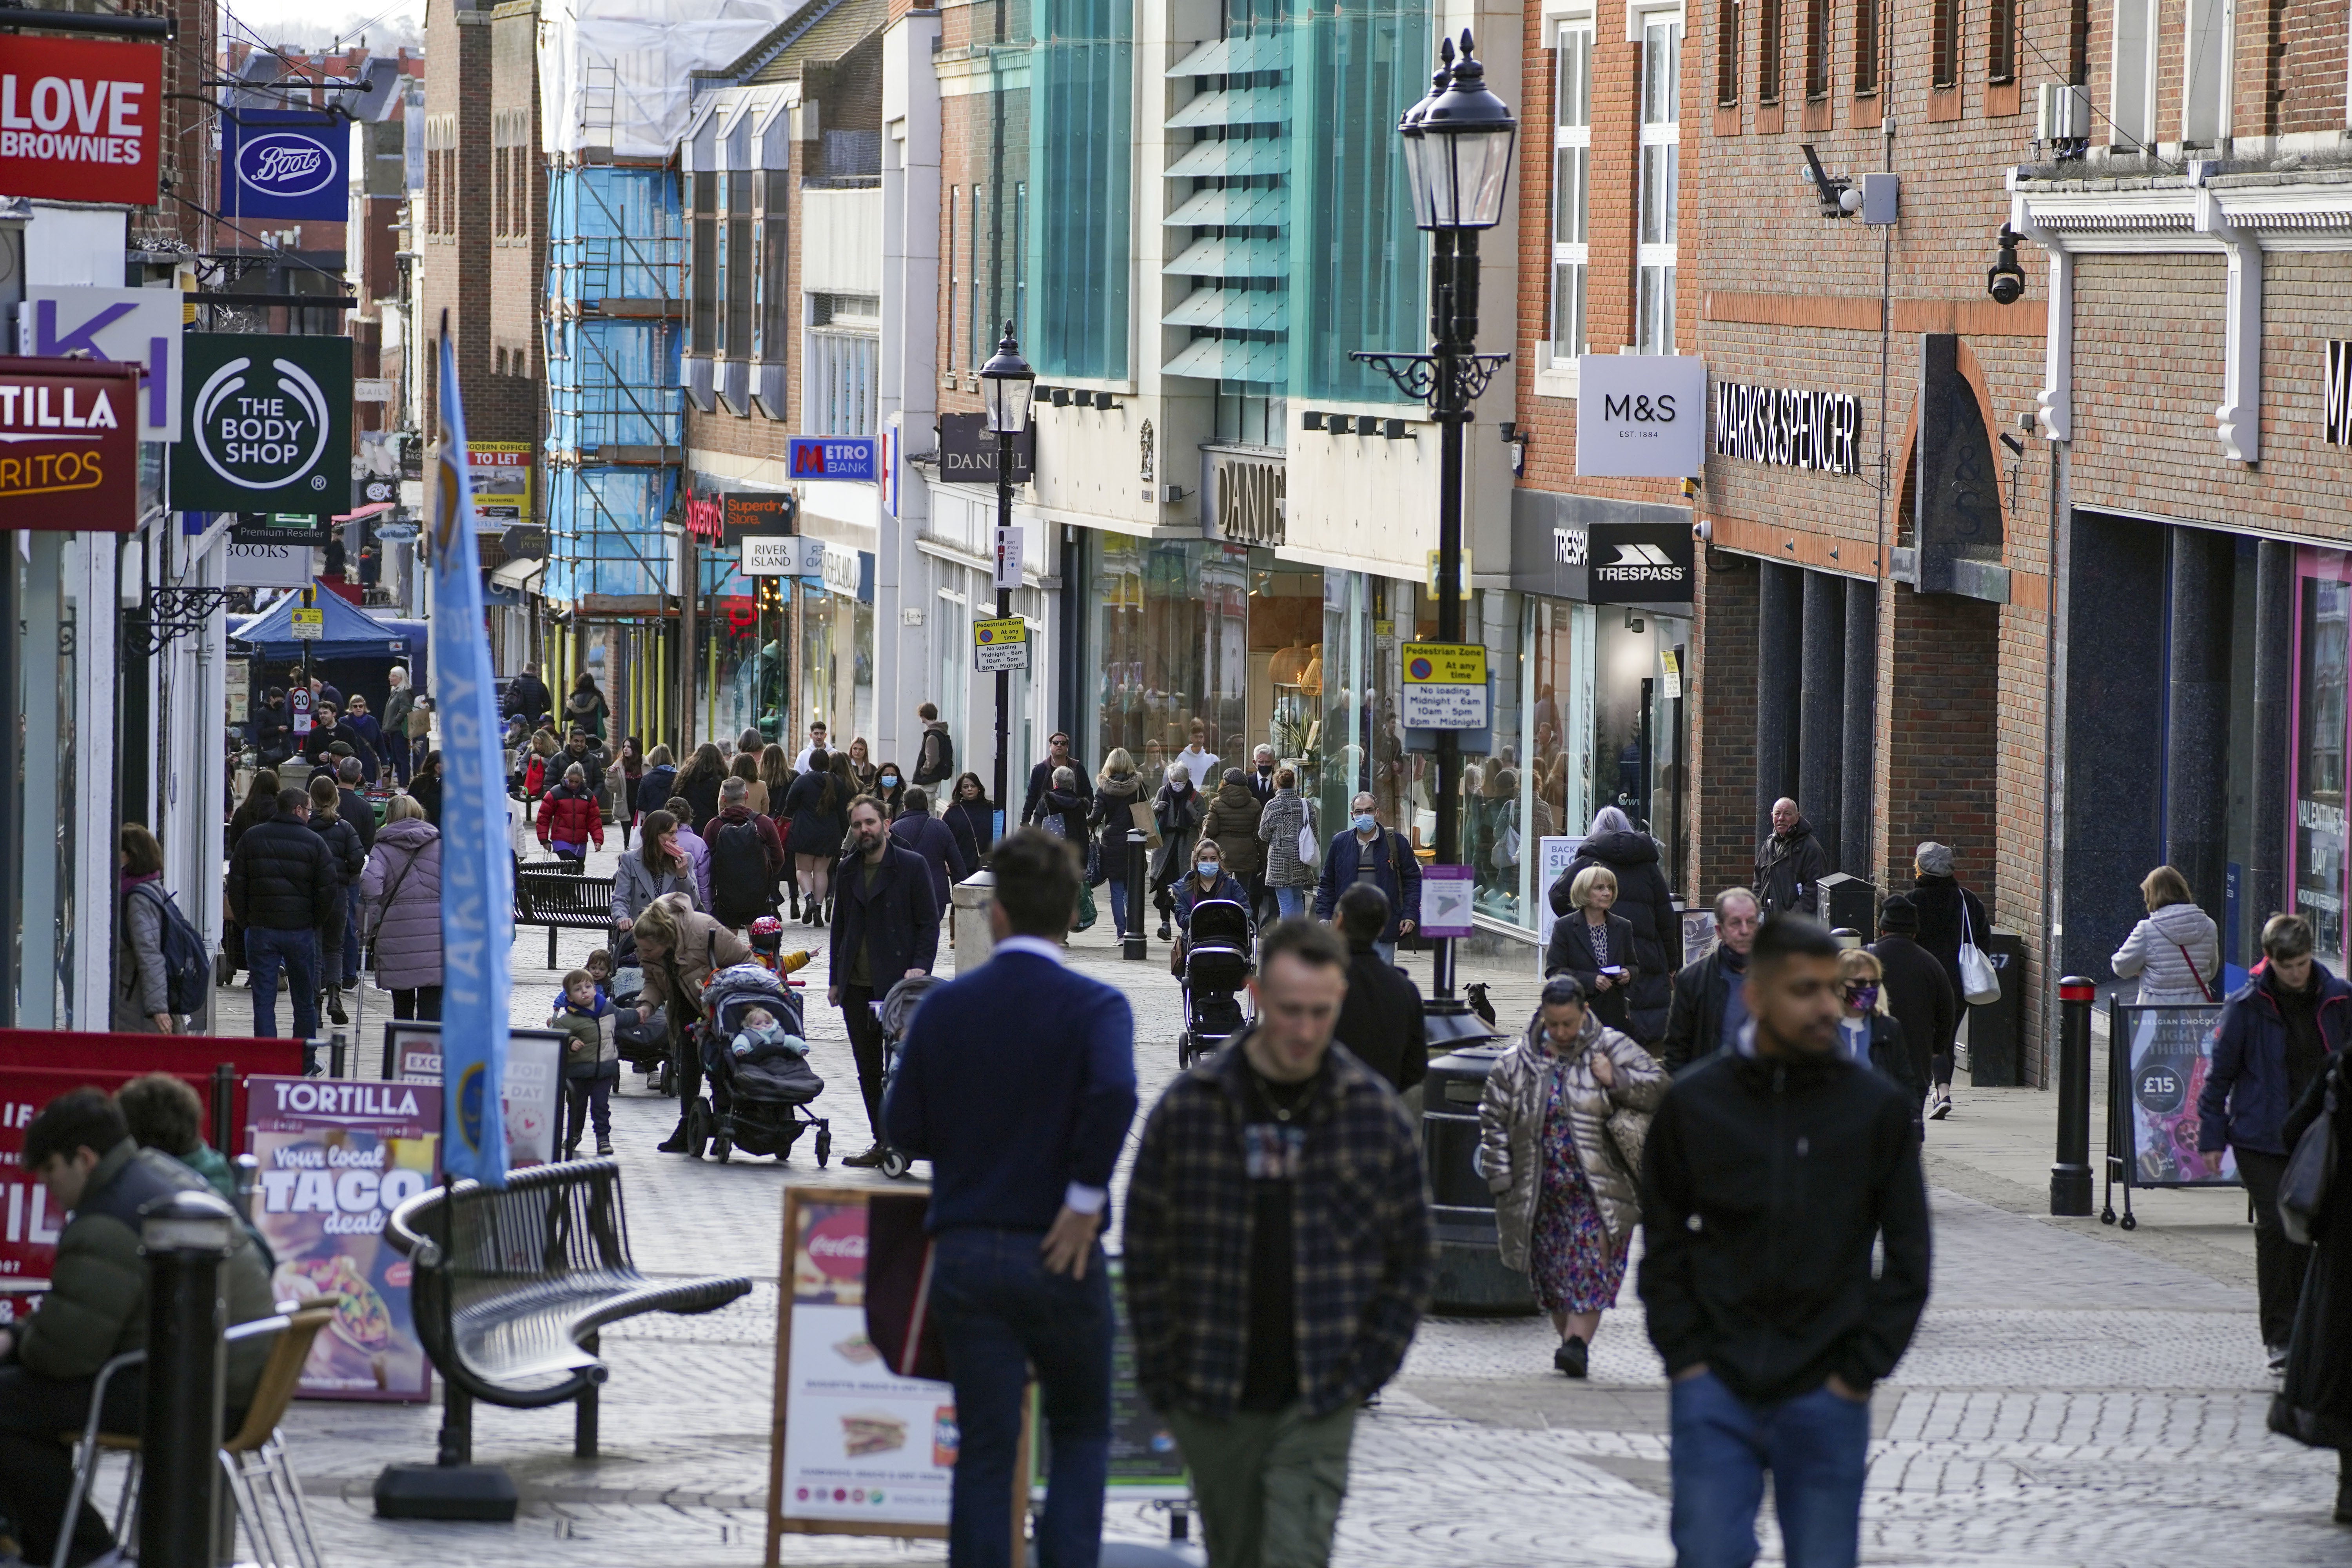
1566	1196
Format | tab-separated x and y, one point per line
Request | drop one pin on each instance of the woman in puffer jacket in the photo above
400	895
2176	952
1566	1199
571	817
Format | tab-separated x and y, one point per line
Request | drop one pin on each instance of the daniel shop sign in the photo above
282	163
77	119
267	426
1640	415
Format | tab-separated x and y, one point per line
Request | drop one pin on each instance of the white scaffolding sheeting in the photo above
615	73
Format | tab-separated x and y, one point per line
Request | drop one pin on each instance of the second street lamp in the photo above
1459	145
1007	385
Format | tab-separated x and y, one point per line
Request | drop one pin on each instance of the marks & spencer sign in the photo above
77	119
283	163
267	425
1640	415
69	446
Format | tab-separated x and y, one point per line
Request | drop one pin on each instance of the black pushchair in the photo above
1216	972
759	1101
897	1011
644	1043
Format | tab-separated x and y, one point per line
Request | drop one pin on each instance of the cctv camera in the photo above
1704	531
2005	280
1850	201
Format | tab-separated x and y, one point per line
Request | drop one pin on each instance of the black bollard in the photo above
2070	1178
1137	947
185	1238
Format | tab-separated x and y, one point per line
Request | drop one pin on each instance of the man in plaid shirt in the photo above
1278	1256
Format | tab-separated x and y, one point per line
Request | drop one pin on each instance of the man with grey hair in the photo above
1709	1005
1791	864
1261	775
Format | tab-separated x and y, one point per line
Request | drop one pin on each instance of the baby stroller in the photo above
759	1103
643	1044
897	1012
1216	970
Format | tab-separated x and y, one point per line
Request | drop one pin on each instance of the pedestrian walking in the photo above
1198	761
585	709
1366	851
1176	808
420	728
1286	825
540	773
809	754
2277	1033
592	1059
372	747
1646	902
1555	1120
425	787
79	1148
1041	777
680	948
1260	778
890	789
1118	790
260	803
142	980
656	869
1209	879
1949	915
1770	1173
916	829
400	900
2175	953
744	766
1065	809
861	764
352	801
570	818
970	816
1789	864
343	841
1917	994
1382	1019
1231	819
1869	1035
1280	1253
819	809
1710	998
1594	946
935	759
704	773
397	706
656	784
272	728
747	856
885	929
2314	1406
527	697
1022	1134
283	884
631	766
697	852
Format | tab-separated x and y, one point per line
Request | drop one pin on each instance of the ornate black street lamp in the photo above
1007	384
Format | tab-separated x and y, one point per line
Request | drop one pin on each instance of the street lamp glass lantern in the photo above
1467	139
1007	385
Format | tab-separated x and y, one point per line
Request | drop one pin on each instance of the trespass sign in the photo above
282	163
265	426
77	119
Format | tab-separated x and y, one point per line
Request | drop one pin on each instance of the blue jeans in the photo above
1290	902
1817	1446
1118	905
264	948
1000	1313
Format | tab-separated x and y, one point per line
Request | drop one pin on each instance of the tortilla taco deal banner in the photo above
337	1157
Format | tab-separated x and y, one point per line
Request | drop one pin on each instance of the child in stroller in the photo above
756	1059
1216	970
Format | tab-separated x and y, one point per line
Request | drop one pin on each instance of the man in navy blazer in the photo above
1017	1081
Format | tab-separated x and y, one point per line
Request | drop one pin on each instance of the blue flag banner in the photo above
477	867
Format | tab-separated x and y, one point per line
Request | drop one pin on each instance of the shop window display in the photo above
2323	639
1168	639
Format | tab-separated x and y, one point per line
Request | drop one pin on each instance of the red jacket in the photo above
574	816
771	842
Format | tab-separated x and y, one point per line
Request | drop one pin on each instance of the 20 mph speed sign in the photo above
1000	645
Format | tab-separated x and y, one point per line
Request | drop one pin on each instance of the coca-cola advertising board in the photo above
80	118
68	445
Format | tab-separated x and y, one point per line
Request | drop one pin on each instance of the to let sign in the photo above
832	457
1445	686
69	446
1000	645
77	119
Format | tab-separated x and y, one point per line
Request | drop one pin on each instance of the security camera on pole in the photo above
1458	146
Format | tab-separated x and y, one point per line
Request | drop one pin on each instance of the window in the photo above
2205	74
2000	40
1571	163
1081	132
702	322
1865	47
1726	53
498	192
954	689
983	344
1768	51
1943	43
1661	57
955	280
1817	48
845	356
739	264
775	266
1020	261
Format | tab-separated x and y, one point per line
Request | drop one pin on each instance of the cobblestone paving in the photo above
2071	1398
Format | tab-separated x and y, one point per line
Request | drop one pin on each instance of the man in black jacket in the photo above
1709	1003
1770	1173
1791	864
282	888
527	695
1041	777
1381	1018
885	929
1917	993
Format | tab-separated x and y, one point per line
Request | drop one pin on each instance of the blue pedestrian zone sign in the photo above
833	458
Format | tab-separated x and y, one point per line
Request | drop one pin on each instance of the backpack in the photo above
187	967
738	868
937	758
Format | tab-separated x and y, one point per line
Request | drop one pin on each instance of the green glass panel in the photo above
1081	130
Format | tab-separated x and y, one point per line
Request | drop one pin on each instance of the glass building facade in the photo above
1082	74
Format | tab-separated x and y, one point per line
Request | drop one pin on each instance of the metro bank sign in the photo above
832	457
77	119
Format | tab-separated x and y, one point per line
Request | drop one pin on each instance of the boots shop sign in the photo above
77	119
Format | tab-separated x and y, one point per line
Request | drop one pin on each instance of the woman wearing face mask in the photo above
1869	1036
1209	879
890	789
1177	809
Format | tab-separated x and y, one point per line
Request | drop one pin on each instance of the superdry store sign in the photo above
69	446
77	119
267	425
281	163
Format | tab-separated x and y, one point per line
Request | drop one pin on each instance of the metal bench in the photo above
510	1286
561	899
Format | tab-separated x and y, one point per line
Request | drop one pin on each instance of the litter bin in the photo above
1471	1278
1849	901
1995	1027
968	903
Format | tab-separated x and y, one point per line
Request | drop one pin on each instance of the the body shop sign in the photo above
1640	415
77	119
267	425
69	446
282	163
